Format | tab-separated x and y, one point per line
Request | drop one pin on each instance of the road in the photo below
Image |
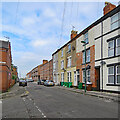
37	101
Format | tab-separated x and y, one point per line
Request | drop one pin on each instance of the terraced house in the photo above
55	67
107	49
67	61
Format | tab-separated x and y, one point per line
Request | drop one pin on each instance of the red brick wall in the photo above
91	64
46	71
5	68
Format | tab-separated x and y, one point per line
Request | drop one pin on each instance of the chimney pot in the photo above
108	7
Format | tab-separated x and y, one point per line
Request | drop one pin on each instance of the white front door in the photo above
75	80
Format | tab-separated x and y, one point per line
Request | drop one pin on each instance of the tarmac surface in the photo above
38	101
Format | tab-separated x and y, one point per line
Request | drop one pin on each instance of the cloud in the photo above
38	43
35	32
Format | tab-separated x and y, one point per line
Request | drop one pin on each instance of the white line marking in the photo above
39	110
37	107
42	113
0	101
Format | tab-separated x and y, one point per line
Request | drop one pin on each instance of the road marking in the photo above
0	101
39	110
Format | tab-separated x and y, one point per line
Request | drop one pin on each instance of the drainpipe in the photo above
102	52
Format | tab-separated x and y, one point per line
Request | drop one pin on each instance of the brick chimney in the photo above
73	34
45	61
108	7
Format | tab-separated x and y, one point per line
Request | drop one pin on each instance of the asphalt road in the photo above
37	101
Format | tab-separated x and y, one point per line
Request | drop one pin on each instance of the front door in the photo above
78	78
97	77
75	80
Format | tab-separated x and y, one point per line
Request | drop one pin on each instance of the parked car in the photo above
22	83
49	83
41	82
30	80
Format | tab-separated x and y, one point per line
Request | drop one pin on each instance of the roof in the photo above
109	14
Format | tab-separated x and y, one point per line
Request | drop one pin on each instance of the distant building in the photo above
42	72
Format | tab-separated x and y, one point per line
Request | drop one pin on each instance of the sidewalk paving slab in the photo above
107	95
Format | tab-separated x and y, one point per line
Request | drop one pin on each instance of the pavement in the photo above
38	101
106	95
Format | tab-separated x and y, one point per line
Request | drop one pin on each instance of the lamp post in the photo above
84	44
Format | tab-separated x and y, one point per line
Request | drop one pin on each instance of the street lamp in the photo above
84	44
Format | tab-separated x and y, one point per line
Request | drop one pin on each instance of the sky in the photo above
38	29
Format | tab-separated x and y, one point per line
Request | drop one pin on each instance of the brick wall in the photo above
81	66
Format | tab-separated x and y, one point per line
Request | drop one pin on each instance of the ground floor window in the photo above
114	74
87	75
118	74
62	77
69	76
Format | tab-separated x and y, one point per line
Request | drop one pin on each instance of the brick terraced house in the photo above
5	65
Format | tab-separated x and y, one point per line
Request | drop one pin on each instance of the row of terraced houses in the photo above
102	40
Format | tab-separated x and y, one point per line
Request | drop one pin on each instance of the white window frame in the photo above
62	76
117	46
87	76
69	76
117	74
69	61
86	37
84	57
110	74
112	48
87	56
116	21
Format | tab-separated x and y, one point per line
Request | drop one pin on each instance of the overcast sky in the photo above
34	28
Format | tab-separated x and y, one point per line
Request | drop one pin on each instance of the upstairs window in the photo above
69	62
86	37
69	47
87	56
115	19
111	48
114	47
118	46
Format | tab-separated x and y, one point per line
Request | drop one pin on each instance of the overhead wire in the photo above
62	24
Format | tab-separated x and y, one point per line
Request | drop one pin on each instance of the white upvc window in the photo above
111	75
118	74
115	19
62	64
88	55
86	37
111	48
62	77
62	53
87	75
118	46
69	76
83	57
83	76
69	61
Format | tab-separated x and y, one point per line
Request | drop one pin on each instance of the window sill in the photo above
112	84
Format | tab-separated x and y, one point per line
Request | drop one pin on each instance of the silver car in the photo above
49	83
